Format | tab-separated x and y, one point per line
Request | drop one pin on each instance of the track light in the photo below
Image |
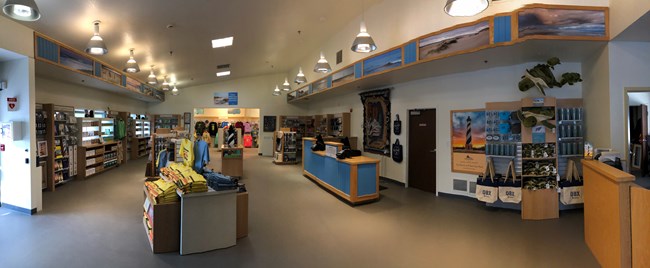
465	8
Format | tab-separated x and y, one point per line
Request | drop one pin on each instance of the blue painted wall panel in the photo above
47	50
502	29
344	178
330	172
358	70
367	179
329	81
123	80
98	69
319	163
410	53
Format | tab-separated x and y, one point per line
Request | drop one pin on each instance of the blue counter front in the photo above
354	179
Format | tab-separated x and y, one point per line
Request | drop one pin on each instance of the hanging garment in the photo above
213	128
239	125
187	152
248	141
201	155
224	124
247	127
120	129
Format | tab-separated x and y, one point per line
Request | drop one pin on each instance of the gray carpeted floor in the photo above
292	223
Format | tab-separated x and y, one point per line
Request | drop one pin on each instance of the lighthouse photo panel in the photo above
468	141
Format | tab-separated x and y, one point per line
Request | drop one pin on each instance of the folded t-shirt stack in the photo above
219	182
185	178
162	191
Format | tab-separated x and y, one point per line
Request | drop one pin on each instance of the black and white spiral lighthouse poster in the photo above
468	141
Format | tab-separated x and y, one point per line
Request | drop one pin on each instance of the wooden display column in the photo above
543	203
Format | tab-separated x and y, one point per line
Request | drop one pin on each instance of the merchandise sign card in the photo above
539	134
330	151
12	104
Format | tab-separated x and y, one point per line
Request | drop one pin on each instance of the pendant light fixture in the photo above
165	84
286	86
151	79
363	43
465	8
96	44
24	10
175	91
131	65
300	78
322	66
276	91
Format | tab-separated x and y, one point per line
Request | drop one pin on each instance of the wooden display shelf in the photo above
165	224
538	176
539	204
538	159
98	158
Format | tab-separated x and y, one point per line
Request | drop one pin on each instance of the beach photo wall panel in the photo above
319	85
343	76
384	62
468	141
461	39
562	22
111	75
75	61
376	121
133	85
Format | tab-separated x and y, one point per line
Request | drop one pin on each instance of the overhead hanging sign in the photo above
226	98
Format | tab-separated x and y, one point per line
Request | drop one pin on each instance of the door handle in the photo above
433	151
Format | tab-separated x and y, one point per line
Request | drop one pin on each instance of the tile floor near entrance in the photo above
292	223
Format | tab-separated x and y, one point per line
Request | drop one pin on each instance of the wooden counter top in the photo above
608	171
309	139
333	143
358	160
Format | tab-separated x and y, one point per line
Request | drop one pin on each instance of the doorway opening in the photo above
244	121
422	150
637	145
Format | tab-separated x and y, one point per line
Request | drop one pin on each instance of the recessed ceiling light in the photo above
224	73
222	42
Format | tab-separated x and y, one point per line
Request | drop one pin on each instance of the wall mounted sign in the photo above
468	141
269	123
12	104
226	98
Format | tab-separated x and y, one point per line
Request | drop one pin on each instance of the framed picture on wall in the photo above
468	141
187	118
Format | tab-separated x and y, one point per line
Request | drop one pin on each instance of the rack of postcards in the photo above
570	140
503	141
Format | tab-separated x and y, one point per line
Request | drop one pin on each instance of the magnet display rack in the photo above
503	141
61	136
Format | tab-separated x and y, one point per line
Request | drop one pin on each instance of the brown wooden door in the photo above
422	150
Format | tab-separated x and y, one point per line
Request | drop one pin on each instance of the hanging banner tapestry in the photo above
468	141
376	121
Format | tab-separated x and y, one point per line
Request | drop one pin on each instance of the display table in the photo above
232	161
355	179
208	220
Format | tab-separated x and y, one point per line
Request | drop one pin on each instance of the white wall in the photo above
394	22
253	92
595	96
629	66
21	182
444	93
16	37
62	93
622	13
